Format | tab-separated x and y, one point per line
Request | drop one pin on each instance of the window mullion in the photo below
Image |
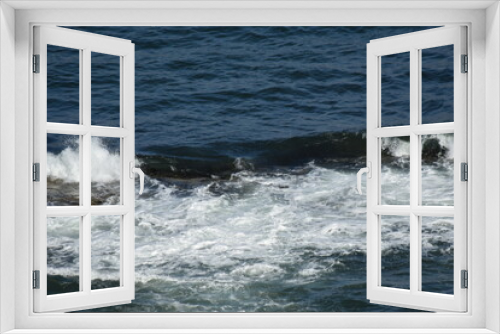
86	265
420	129
434	128
393	131
80	139
86	138
72	211
109	132
414	170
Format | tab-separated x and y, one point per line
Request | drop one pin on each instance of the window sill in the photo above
252	331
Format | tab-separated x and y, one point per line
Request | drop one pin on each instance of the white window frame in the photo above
414	44
124	51
482	18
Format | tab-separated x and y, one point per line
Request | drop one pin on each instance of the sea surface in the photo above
250	138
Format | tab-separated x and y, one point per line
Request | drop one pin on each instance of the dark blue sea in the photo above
250	138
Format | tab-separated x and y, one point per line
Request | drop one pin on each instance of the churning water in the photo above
251	139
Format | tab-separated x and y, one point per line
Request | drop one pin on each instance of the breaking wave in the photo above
65	165
288	227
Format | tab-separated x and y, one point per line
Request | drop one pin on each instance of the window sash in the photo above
413	43
85	298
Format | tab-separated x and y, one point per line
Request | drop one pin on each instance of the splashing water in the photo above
66	165
245	243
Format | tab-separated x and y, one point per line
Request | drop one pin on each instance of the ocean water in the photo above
250	138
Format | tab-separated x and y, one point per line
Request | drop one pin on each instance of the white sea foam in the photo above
447	140
397	147
66	164
258	270
278	226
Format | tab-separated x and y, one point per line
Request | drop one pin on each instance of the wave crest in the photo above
106	165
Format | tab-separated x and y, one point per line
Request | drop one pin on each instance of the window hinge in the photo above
464	171
36	172
465	63
36	279
465	279
36	63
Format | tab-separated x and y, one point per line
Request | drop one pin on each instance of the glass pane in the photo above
395	171
106	171
437	170
63	170
395	234
105	251
63	85
437	254
63	255
437	84
105	90
395	95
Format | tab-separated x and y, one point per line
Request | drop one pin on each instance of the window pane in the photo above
395	234
437	84
105	251
395	93
63	255
106	171
63	85
437	170
437	254
63	170
105	90
395	171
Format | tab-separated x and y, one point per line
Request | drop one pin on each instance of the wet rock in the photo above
432	150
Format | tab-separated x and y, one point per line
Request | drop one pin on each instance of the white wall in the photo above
492	150
7	160
488	151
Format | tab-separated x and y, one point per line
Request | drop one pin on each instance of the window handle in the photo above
137	170
368	171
